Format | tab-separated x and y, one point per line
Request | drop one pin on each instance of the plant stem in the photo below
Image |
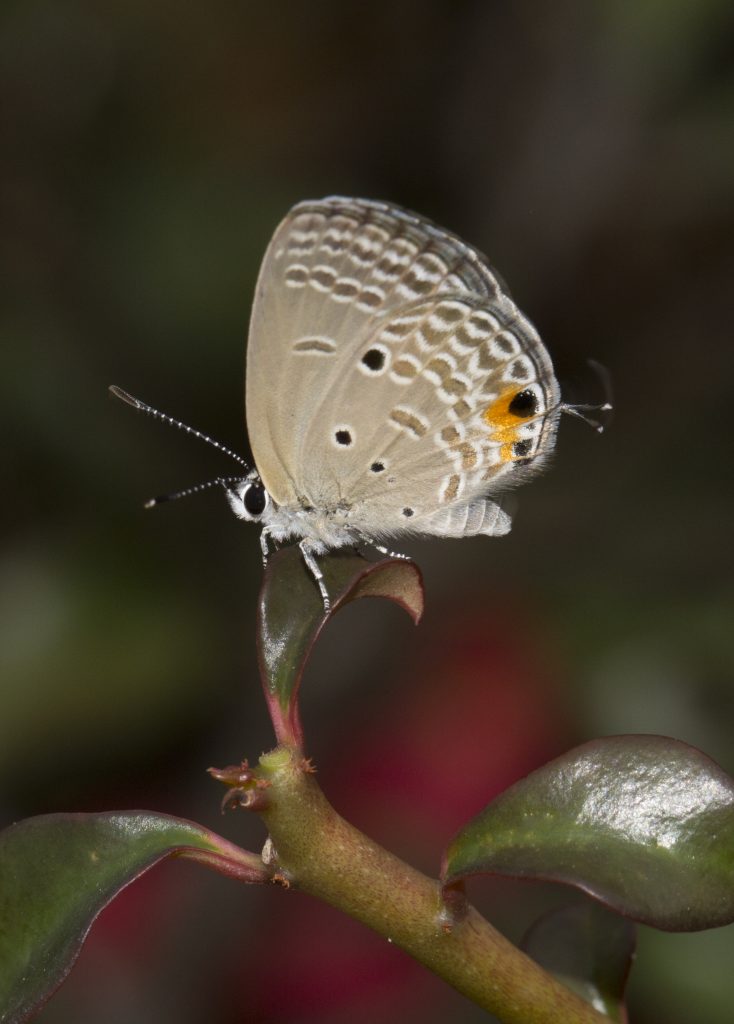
322	854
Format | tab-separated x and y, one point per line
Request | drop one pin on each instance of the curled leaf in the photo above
589	949
643	823
291	616
58	871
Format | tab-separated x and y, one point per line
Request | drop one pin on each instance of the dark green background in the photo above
148	151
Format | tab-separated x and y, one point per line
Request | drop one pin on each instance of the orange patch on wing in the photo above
503	423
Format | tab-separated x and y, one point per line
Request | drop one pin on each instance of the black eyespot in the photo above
377	467
524	404
408	512
521	449
374	359
255	499
343	437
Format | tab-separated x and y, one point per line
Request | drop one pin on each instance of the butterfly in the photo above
393	387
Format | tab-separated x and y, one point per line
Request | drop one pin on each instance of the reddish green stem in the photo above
322	854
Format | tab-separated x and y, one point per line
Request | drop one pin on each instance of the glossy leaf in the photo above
291	616
644	823
589	949
58	871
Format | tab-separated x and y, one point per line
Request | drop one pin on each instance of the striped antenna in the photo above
150	411
221	481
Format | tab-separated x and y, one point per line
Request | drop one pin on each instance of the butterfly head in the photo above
249	500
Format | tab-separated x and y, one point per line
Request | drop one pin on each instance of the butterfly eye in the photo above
255	499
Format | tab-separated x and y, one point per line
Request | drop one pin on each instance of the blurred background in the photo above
148	152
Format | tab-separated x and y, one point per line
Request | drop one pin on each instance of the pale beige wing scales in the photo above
390	375
332	270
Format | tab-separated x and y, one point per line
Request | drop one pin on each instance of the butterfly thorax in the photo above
324	527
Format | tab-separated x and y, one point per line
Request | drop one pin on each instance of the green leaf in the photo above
291	616
643	823
58	871
589	949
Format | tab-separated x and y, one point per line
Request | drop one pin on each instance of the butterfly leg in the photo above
264	545
390	554
361	539
313	567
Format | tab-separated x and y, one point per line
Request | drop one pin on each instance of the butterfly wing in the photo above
389	374
333	270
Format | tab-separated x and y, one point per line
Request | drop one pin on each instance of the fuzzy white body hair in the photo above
327	528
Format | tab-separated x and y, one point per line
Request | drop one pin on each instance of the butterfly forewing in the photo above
388	373
332	268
